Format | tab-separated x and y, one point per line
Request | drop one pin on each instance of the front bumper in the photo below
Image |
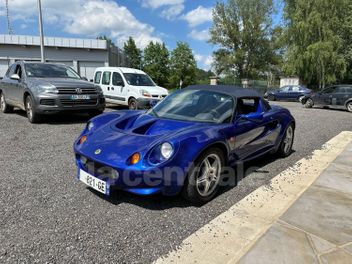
147	181
55	103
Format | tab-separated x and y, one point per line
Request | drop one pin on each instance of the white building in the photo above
285	81
84	55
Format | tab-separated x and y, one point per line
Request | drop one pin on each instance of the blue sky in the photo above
145	20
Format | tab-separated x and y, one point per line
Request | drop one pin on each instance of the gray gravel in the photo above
46	215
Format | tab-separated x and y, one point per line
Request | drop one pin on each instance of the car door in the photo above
254	128
295	93
118	89
106	84
283	92
340	97
19	86
12	85
324	98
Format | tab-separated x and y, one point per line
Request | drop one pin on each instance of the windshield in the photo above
43	70
195	105
137	79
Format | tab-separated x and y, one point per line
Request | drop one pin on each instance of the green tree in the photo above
316	51
133	53
243	30
182	65
203	77
157	62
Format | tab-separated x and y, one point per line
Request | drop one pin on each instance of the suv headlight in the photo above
145	93
48	88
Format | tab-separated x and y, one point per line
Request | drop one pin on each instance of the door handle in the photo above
108	88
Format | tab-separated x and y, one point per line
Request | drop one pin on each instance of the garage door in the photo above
4	65
68	63
86	69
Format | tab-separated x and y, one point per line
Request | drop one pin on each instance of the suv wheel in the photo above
32	116
349	106
5	108
204	178
271	97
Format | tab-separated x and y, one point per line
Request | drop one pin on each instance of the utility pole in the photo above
41	31
9	27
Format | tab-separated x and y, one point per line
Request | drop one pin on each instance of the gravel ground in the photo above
46	215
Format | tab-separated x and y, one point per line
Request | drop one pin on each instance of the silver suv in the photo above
47	88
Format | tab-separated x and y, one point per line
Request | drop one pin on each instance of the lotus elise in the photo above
183	143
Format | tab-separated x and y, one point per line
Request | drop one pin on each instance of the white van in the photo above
126	86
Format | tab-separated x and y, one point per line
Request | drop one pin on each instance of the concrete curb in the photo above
229	236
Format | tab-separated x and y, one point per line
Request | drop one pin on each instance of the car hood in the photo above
154	90
131	133
62	82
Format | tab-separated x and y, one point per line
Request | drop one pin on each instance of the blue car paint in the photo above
118	142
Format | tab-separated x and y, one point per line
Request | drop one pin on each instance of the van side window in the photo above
97	77
106	78
117	79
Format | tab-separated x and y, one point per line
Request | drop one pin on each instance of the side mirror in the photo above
15	77
84	78
253	117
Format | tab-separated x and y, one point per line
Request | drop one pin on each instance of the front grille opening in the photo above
49	102
98	169
77	90
70	102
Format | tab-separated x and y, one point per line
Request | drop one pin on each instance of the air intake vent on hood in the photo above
126	123
142	130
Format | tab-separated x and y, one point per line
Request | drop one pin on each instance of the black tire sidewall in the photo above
190	191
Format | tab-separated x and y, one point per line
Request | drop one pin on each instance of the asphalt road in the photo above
46	215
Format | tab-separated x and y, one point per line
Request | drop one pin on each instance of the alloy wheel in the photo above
349	106
209	175
288	140
29	108
2	102
309	103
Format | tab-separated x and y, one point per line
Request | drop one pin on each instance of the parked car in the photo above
288	93
338	96
47	88
127	86
147	152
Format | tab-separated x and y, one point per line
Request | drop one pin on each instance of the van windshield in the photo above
137	79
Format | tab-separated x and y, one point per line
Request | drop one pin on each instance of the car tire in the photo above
132	104
204	178
271	97
349	106
285	148
5	108
309	103
32	115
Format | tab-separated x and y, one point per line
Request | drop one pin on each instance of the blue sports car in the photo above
183	144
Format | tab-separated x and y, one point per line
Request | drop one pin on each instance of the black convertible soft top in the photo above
232	90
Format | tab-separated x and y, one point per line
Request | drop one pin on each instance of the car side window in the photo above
247	106
331	89
97	77
18	70
11	70
284	89
106	78
295	89
117	79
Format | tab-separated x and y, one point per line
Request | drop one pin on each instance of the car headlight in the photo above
145	93
166	150
48	88
90	126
